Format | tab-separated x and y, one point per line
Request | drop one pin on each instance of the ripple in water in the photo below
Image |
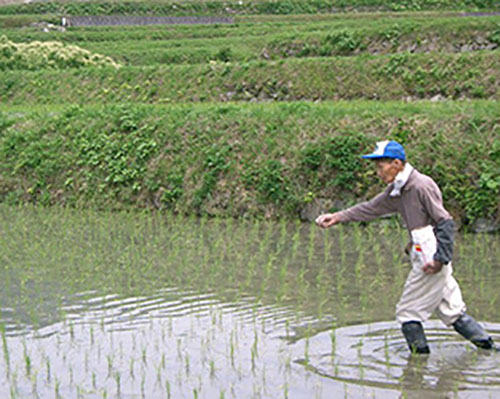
182	344
376	355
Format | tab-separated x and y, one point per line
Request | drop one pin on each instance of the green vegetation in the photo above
142	297
135	201
455	76
242	160
341	272
204	7
52	55
254	38
173	128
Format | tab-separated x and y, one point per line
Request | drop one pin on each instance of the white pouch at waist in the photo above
424	246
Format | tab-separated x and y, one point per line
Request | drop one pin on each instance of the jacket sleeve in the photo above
444	232
432	201
444	229
378	206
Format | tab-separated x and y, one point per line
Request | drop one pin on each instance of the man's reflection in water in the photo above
440	375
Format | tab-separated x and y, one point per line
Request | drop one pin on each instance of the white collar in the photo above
400	180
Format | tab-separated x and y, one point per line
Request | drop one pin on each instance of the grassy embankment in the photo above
261	37
242	159
269	7
247	159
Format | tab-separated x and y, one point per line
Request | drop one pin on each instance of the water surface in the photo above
127	305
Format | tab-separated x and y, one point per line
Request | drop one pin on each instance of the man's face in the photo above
388	169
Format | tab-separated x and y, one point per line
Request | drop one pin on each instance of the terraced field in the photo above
153	180
416	72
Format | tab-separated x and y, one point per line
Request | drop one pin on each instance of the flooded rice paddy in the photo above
127	305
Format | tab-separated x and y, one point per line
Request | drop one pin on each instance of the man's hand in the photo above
408	248
327	220
432	267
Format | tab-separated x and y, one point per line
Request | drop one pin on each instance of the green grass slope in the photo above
266	116
394	77
205	7
244	159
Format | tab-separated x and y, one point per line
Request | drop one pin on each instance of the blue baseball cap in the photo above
387	149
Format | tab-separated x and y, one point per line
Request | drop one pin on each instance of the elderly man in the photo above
430	286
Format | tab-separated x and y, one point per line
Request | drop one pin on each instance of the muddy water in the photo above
140	306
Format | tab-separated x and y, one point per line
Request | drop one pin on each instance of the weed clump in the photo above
55	55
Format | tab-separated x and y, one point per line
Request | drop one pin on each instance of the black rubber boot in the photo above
415	337
470	329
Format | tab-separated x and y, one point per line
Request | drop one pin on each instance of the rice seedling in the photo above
6	355
27	359
168	389
333	341
306	350
254	351
117	379
56	388
187	365
178	356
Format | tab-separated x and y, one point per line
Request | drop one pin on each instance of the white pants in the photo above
424	294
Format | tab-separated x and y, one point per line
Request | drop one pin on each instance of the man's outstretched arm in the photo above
363	212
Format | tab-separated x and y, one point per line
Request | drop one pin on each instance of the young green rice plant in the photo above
250	271
131	368
168	389
6	355
232	347
283	237
360	360
296	240
283	286
187	364
285	390
342	245
47	369
327	246
27	359
143	385
268	268
311	248
158	376
117	379
254	351
109	361
306	350
322	295
359	266
386	351
57	387
333	342
212	369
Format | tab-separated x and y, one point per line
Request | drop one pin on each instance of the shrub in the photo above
55	55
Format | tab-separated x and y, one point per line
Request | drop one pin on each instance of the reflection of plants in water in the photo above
333	340
386	351
6	355
349	272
